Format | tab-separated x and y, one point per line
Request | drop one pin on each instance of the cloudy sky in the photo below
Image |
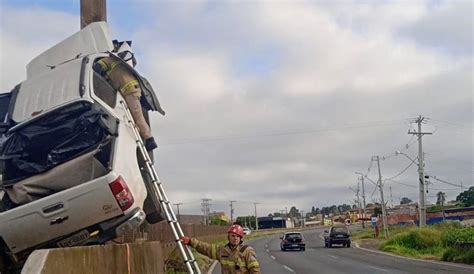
280	102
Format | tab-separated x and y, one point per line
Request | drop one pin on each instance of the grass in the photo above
436	242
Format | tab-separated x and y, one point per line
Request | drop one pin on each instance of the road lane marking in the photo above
289	269
381	269
332	256
267	250
273	257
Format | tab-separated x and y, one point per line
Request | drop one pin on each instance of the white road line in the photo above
378	268
273	257
289	269
267	250
332	256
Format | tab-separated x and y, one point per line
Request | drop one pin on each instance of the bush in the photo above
418	239
458	256
452	237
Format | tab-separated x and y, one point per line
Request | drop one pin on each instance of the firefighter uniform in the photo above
121	79
239	259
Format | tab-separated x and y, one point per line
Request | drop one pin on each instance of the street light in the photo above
406	155
422	207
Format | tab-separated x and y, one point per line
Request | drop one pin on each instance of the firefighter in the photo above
121	78
234	257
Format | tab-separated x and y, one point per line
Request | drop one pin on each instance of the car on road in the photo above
337	235
292	240
247	231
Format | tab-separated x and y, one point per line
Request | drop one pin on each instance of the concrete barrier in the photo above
144	257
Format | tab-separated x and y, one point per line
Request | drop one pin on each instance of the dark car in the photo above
292	240
337	235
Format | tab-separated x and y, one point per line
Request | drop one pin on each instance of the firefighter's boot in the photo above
133	102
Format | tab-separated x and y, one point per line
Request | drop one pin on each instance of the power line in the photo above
403	171
443	181
274	134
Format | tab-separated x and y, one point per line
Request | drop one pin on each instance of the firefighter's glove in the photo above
186	240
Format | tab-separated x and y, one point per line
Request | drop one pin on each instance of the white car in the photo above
69	163
247	231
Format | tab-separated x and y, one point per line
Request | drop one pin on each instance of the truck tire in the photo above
348	244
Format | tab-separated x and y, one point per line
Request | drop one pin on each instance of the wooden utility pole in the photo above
93	11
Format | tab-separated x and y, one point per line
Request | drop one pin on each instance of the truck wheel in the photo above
330	245
348	244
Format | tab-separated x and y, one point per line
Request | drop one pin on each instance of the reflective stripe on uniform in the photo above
112	67
103	65
214	251
253	264
128	87
231	263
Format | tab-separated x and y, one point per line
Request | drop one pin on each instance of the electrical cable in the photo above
403	171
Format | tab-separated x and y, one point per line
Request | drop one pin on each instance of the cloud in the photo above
281	102
24	34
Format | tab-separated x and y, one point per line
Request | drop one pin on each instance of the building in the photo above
275	222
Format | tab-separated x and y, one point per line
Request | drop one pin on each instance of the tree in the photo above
294	212
441	198
466	197
405	201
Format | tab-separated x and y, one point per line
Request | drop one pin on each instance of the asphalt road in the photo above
318	259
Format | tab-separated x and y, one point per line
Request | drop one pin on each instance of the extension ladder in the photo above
155	187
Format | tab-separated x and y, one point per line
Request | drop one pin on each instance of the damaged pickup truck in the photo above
69	164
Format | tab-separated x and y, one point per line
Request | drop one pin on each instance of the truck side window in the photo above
104	90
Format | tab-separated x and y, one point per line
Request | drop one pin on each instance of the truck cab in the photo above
70	168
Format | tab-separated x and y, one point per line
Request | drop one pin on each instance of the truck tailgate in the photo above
59	214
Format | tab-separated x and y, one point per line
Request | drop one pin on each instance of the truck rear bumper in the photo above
134	221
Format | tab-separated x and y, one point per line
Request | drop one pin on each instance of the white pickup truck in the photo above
70	168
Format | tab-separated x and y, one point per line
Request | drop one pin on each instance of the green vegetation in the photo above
441	242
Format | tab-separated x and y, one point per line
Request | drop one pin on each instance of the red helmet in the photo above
236	229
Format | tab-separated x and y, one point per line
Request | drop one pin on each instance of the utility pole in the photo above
93	11
177	206
232	211
302	218
206	203
391	197
256	218
384	212
421	177
363	199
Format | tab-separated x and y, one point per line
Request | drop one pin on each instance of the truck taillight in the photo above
121	193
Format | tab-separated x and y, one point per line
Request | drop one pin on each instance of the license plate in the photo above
294	245
340	236
75	239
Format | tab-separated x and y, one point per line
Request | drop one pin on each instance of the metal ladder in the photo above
160	199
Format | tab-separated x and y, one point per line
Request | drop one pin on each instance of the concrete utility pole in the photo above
384	212
232	211
391	197
256	218
177	207
421	177
363	196
93	11
206	203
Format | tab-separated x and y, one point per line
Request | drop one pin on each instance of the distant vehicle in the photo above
337	235
292	240
83	184
247	231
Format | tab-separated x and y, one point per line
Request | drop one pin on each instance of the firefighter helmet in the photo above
124	51
236	229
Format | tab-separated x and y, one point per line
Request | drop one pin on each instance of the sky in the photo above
280	102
